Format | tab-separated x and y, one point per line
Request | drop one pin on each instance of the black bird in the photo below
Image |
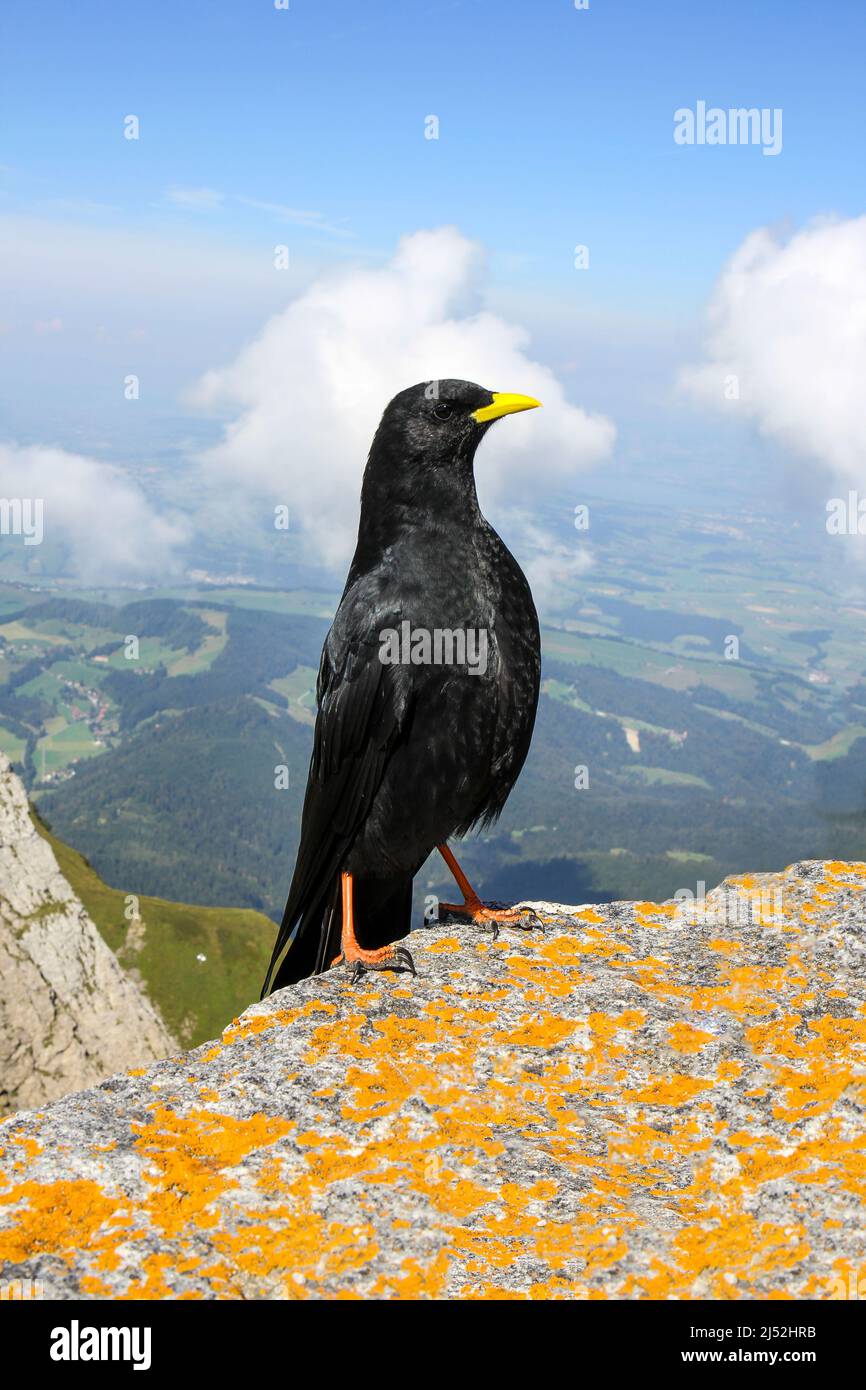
427	691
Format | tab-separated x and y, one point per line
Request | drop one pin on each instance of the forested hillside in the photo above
179	771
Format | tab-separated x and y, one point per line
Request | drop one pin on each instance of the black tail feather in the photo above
383	913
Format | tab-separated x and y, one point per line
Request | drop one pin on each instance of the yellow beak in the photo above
504	403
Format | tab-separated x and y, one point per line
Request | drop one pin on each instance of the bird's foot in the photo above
492	918
386	958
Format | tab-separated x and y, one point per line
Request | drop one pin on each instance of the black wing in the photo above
364	706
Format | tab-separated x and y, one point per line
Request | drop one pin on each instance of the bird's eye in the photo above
442	411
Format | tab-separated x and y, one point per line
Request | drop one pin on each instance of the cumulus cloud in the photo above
94	511
554	569
307	393
787	330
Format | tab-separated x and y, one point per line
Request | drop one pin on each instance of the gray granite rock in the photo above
69	1015
637	1101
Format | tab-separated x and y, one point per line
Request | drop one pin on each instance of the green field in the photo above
300	690
667	777
11	745
309	602
152	652
674	671
839	745
63	744
19	632
190	663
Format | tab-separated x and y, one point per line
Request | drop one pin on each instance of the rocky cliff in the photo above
641	1100
69	1015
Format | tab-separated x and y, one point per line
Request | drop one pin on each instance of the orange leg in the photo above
473	908
353	954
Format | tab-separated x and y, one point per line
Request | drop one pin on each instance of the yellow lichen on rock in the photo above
635	1103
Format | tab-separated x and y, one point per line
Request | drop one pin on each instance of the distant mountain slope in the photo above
191	807
656	762
200	965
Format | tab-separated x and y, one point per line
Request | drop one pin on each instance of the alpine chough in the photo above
427	691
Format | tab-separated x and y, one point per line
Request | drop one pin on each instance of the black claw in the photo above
533	921
529	921
401	960
405	959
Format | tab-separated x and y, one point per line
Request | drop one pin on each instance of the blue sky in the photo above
555	123
306	126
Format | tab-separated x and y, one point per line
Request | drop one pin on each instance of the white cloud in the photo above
788	321
199	199
94	511
309	390
299	217
208	199
554	569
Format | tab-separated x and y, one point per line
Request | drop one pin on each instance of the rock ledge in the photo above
640	1101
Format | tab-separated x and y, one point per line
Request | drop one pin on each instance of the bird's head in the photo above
421	459
443	422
